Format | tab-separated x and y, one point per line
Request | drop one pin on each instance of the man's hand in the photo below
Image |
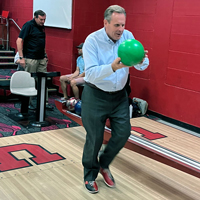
146	52
70	78
145	56
22	62
46	59
117	64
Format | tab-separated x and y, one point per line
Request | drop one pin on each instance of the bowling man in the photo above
104	97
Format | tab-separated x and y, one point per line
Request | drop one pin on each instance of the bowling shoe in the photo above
108	178
91	186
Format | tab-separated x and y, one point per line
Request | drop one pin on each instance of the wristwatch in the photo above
20	57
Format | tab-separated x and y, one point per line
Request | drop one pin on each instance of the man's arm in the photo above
81	75
76	73
19	43
99	60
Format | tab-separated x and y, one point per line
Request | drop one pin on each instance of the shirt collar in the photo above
34	22
108	39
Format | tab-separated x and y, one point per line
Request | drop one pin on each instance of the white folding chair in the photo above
22	84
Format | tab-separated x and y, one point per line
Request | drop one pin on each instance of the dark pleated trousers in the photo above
97	106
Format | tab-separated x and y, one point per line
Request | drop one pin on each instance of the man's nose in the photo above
121	28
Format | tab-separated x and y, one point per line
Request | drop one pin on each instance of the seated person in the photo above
75	79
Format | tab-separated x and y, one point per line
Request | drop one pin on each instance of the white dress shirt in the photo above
99	52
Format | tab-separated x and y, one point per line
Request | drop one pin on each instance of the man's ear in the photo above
105	22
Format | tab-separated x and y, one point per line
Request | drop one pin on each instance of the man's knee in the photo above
73	83
62	78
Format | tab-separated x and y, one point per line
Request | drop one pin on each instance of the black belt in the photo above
94	86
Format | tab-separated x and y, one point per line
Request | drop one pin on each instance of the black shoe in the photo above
49	107
91	186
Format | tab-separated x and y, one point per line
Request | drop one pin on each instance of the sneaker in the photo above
108	178
91	186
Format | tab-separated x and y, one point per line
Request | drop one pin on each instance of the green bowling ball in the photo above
131	52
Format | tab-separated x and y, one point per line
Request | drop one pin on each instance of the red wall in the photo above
86	20
169	30
60	43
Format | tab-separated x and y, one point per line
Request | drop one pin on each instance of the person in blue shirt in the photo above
104	96
75	79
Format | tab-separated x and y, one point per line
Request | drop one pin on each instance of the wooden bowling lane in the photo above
140	141
137	177
175	140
